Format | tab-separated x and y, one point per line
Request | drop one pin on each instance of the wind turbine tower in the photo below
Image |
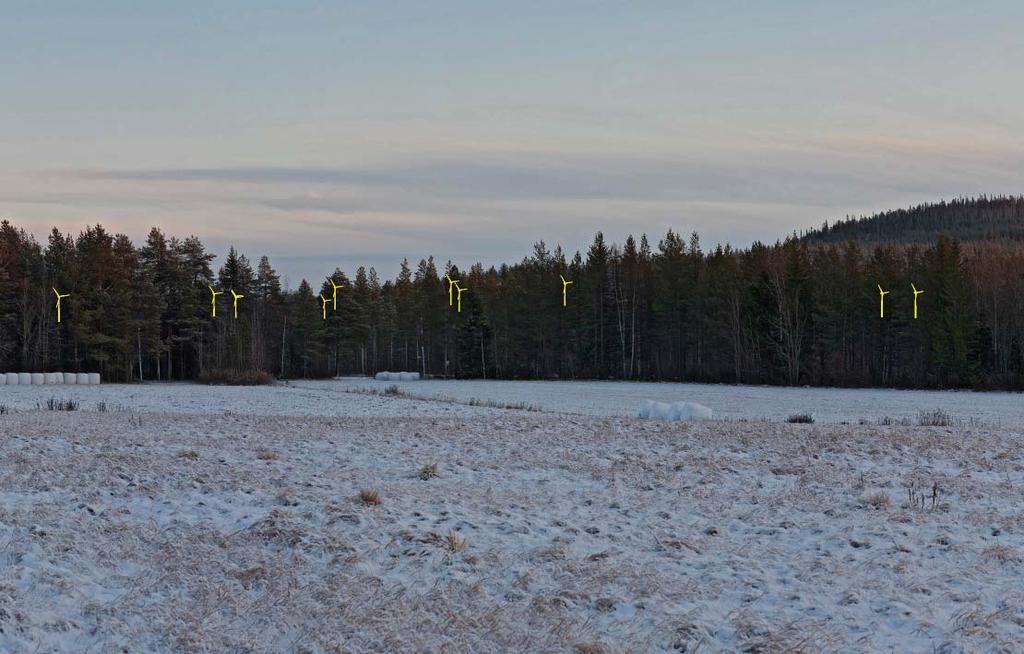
59	298
881	296
335	296
460	290
213	299
237	297
451	283
565	285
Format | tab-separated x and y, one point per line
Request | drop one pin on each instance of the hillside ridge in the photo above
979	218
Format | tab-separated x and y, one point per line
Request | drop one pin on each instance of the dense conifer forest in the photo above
968	219
802	311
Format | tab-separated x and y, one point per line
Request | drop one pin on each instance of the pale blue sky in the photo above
362	132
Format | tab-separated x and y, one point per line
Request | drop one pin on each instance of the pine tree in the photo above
954	324
267	318
236	278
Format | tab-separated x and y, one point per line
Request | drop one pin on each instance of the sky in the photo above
360	133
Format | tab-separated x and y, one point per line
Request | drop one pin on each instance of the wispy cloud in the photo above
516	178
834	167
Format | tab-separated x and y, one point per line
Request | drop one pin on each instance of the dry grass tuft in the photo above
1002	554
934	418
452	541
877	500
53	404
429	472
497	404
370	497
590	648
278	527
978	622
267	455
249	577
191	455
801	419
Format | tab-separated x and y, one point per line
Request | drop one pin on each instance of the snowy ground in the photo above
221	519
294	399
607	398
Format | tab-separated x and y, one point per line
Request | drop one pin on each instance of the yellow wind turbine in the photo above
881	296
916	293
237	297
565	285
335	287
324	301
213	299
451	283
460	290
59	298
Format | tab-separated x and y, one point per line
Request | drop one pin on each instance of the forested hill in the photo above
968	219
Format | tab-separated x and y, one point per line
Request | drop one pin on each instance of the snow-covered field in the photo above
607	398
189	518
585	398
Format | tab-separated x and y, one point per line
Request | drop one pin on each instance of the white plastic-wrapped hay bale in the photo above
70	378
24	378
3	379
645	409
677	411
56	378
396	376
38	378
12	378
94	378
651	410
690	411
82	378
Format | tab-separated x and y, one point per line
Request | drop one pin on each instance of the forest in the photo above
969	219
800	311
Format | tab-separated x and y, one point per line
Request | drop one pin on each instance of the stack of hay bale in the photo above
676	411
43	378
397	376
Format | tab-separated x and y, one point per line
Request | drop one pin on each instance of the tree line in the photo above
796	312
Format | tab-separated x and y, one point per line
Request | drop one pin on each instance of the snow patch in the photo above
676	411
